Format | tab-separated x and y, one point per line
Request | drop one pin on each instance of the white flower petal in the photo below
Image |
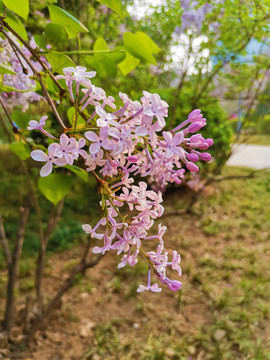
46	169
39	155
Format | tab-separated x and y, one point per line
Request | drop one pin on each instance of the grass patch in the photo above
257	139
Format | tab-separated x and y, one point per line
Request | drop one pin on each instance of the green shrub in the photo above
264	125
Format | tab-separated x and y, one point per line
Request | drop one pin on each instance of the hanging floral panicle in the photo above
123	143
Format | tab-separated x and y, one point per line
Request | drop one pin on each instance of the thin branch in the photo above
42	321
215	72
53	220
45	91
14	268
90	52
25	71
5	128
4	241
42	251
208	81
15	130
180	86
35	55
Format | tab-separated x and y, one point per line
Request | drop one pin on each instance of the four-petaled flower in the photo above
93	161
34	125
98	141
50	159
105	118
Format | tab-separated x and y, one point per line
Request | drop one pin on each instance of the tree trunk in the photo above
53	220
14	268
42	321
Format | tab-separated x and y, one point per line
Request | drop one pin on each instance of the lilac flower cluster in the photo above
123	143
22	79
194	15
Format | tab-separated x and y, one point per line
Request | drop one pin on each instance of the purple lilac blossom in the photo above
127	142
21	80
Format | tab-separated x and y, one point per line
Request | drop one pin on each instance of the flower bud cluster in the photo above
123	143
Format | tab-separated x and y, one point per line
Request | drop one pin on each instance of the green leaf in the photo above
2	8
115	5
6	69
148	42
95	64
129	64
106	63
55	186
118	56
137	48
79	172
102	62
100	44
61	17
20	7
21	119
71	117
41	40
59	60
56	34
16	25
51	87
10	88
20	149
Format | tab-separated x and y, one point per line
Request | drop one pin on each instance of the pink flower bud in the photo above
195	115
133	158
192	167
209	141
192	157
194	127
205	156
203	146
196	138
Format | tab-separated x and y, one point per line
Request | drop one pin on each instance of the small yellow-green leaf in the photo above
16	25
106	64
100	44
21	119
128	64
19	7
72	117
56	34
55	186
2	8
78	171
11	89
137	48
7	69
61	17
59	60
20	149
41	40
148	42
115	5
118	56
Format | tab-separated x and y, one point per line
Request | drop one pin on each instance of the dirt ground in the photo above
225	282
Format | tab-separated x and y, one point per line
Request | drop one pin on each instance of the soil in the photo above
103	307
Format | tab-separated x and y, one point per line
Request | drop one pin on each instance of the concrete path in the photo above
251	156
